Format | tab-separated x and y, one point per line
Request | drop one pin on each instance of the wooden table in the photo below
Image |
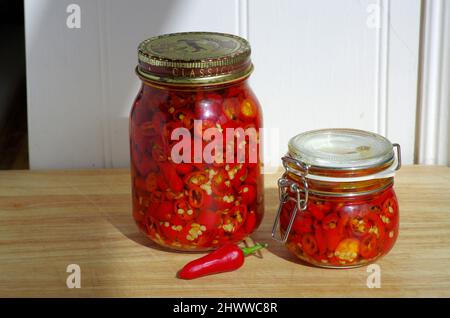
50	219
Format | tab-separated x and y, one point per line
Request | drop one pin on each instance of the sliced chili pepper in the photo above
359	225
192	233
234	218
220	184
309	244
389	212
225	201
156	196
196	197
248	110
181	99
151	182
168	128
171	195
375	225
158	153
144	165
319	209
171	176
368	247
347	250
163	212
183	210
331	231
342	223
330	221
195	179
302	223
320	238
161	182
247	193
375	209
147	129
208	107
158	121
225	259
209	218
231	108
200	129
250	223
185	117
183	168
209	201
251	176
171	229
237	174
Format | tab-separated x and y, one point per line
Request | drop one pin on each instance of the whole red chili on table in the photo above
227	258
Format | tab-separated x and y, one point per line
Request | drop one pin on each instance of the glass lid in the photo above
347	149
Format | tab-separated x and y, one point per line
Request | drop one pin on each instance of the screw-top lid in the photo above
341	149
194	58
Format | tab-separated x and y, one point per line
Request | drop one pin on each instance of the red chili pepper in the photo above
234	218
238	174
195	179
172	179
225	201
319	209
185	117
196	197
169	128
162	184
184	168
309	244
210	219
163	212
220	183
183	210
302	223
368	247
389	212
247	193
248	110
158	153
157	120
227	258
209	107
320	238
250	223
231	108
147	129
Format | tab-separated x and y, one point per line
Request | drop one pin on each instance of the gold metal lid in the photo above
194	58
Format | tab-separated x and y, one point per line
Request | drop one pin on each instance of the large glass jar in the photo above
338	207
194	137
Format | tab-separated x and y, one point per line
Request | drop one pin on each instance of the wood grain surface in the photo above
50	219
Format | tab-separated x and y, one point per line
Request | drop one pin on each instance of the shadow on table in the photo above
125	224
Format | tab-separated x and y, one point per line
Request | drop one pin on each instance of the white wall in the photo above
318	64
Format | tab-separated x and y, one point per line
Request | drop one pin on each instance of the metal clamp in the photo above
399	156
285	184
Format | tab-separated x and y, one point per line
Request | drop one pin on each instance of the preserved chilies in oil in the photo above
194	140
338	207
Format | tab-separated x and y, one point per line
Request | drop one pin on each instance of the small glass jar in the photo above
194	137
338	208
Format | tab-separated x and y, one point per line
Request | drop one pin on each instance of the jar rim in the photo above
194	58
342	150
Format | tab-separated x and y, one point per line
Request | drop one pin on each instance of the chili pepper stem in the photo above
254	248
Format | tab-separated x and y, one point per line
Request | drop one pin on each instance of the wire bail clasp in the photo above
285	186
